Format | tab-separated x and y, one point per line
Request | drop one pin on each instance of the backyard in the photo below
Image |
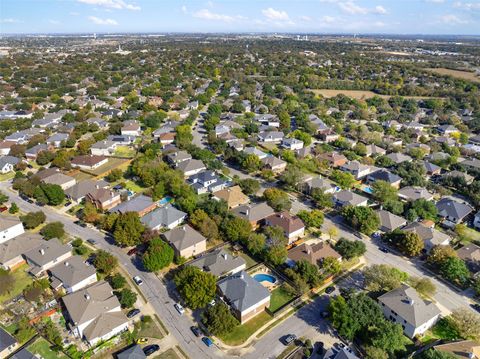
242	332
42	348
124	151
21	280
279	297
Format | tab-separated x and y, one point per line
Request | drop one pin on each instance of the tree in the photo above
127	298
114	175
251	163
302	136
24	330
410	244
202	222
387	336
117	281
128	229
53	230
435	354
256	243
350	249
372	352
424	286
331	266
54	193
361	218
33	219
196	287
90	213
322	200
7	281
158	255
344	179
438	254
105	262
3	198
292	176
313	218
424	209
237	229
249	186
277	199
384	191
332	232
454	269
383	278
13	208
218	319
466	322
183	137
309	272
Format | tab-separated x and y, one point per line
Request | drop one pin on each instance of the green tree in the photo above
251	163
383	278
3	198
331	266
350	249
13	208
127	298
128	229
466	322
424	286
202	222
410	244
435	354
277	199
361	218
7	281
384	191
256	243
454	269
236	229
309	272
387	336
114	175
33	219
183	136
302	136
53	230
249	186
344	179
425	209
105	262
218	319
117	281
158	255
438	254
53	193
196	287
312	219
372	352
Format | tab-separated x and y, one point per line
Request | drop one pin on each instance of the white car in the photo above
138	280
179	308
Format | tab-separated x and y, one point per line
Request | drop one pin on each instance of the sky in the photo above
460	17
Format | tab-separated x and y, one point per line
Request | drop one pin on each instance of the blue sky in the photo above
312	16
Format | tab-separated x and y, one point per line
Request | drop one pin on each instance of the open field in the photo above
464	75
358	94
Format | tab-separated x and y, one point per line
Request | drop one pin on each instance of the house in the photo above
186	241
131	128
57	138
334	159
452	212
89	162
177	157
254	213
206	181
429	235
293	227
312	253
463	176
49	254
389	221
8	344
23	354
72	274
232	195
7	163
430	168
470	254
102	198
164	217
447	130
133	352
255	151
122	140
78	192
94	313
166	138
220	263
10	227
103	148
405	307
11	251
274	164
348	198
476	220
398	157
32	153
60	179
357	169
140	204
270	136
341	353
292	144
268	120
319	183
374	150
5	147
411	193
386	176
460	349
190	167
246	297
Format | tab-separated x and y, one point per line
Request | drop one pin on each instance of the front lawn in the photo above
279	297
147	329
444	330
124	151
22	280
42	348
168	354
242	332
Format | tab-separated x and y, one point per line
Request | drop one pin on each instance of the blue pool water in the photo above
165	200
368	190
264	278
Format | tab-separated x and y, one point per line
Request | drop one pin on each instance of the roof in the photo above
232	195
163	216
90	302
349	197
59	179
427	233
136	204
406	302
23	354
460	349
411	193
87	160
19	245
104	324
133	352
398	157
72	271
286	221
385	175
8	160
242	291
254	212
47	173
447	207
389	220
321	183
82	188
218	262
312	253
190	165
183	237
6	340
273	161
47	252
178	156
7	222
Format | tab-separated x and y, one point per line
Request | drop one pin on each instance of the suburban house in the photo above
47	255
163	217
11	251
89	162
254	213
62	180
186	241
292	144
94	313
5	147
103	199
245	295
460	349
429	235
133	352
411	193
7	163
177	157
386	176
103	148
190	167
348	198
405	307
206	181
78	192
219	262
357	169
270	136
470	254
32	153
140	204
57	138
312	253
274	164
131	128
8	344
292	226
255	151
430	168
389	221
232	195
10	227
374	150
334	159
398	157
72	274
452	212
342	353
320	183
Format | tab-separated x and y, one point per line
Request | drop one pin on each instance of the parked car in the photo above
330	289
208	342
142	340
476	307
133	313
150	349
289	339
179	308
3	208
132	251
91	241
384	249
80	223
67	204
138	280
196	331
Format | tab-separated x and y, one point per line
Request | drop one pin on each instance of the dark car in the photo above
67	204
150	349
196	331
476	307
91	241
133	313
80	223
132	251
208	342
330	289
289	339
384	249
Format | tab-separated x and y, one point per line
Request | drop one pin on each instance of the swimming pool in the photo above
262	277
368	190
165	200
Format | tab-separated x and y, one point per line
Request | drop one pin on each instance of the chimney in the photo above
410	301
247	212
42	251
225	256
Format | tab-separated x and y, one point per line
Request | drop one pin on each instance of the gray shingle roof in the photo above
136	204
6	340
134	352
18	246
183	237
72	271
253	212
449	207
218	262
163	216
390	221
47	252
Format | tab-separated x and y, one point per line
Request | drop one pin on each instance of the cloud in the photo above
9	21
436	1
74	13
206	14
451	19
98	21
54	22
467	5
111	4
275	15
379	9
351	8
305	18
184	9
328	19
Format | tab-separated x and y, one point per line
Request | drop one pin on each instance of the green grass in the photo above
6	176
469	235
42	347
444	330
168	354
132	186
242	332
112	163
148	330
22	279
279	297
124	151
